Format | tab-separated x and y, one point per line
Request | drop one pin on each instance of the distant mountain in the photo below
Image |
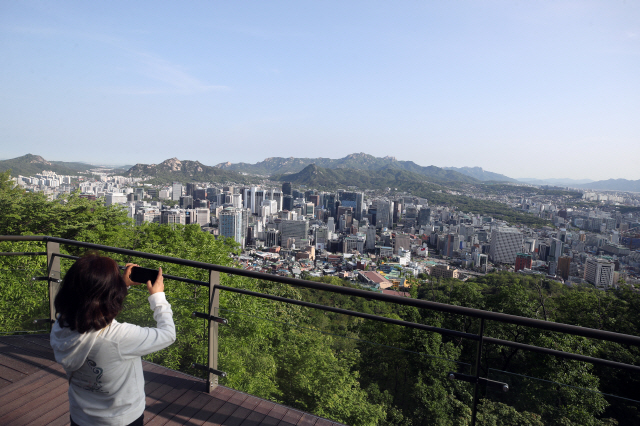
184	171
556	182
320	177
613	185
361	161
29	165
481	174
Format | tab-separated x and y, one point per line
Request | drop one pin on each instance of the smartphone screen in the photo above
142	275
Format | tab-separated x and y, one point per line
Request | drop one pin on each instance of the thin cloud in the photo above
172	75
174	79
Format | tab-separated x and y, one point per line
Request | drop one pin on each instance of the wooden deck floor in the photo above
33	391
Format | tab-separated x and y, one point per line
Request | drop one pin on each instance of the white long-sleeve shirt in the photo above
107	385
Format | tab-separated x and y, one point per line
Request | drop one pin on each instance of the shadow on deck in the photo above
33	391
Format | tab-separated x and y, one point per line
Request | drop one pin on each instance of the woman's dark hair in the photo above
91	295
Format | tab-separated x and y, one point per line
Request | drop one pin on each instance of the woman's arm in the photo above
138	341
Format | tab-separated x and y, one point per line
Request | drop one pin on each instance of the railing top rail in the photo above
423	304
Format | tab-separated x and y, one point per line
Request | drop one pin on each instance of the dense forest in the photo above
355	371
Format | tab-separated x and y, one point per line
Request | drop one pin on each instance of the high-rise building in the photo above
273	237
277	197
371	237
555	250
191	189
401	241
177	191
186	202
410	216
257	197
200	194
201	216
329	203
286	188
384	213
424	216
233	224
599	272
298	229
506	243
353	200
564	267
287	203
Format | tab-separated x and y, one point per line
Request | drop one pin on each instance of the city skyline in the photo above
525	90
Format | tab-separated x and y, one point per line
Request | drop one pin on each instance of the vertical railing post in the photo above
53	268
476	389
214	304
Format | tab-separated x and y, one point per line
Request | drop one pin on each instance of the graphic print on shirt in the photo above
94	385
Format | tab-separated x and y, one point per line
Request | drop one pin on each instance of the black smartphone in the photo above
142	275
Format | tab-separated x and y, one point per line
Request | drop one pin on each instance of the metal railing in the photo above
212	316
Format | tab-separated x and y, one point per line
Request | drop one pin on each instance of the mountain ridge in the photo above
356	161
186	170
30	164
481	174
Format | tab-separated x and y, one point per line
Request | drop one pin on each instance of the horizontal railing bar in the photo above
352	313
65	256
24	253
563	354
23	237
422	304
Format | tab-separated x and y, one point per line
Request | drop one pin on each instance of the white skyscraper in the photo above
232	224
177	191
599	272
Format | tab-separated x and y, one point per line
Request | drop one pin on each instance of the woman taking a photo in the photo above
100	355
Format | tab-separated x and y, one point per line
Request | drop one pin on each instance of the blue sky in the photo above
541	89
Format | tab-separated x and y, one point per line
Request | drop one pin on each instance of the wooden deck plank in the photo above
242	411
4	383
218	399
171	411
291	418
29	394
259	413
175	390
325	422
21	366
186	413
276	414
11	375
307	420
28	357
48	410
24	405
16	388
23	342
223	413
63	420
